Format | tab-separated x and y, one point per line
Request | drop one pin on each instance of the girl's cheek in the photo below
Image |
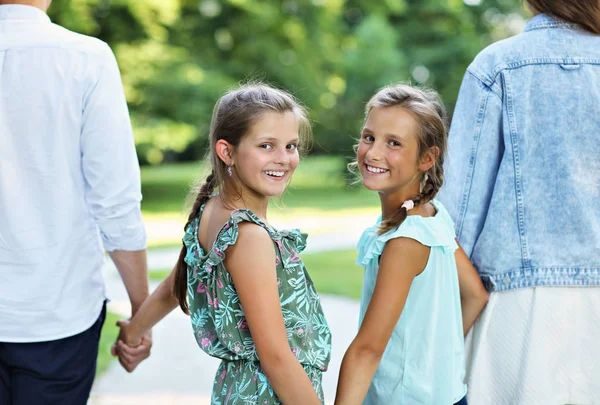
294	161
361	151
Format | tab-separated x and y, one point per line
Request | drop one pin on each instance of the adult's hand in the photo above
131	351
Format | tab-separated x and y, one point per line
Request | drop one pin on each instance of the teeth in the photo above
276	174
375	169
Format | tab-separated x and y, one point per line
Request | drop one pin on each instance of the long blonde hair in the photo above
427	109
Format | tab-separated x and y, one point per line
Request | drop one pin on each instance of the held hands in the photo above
131	351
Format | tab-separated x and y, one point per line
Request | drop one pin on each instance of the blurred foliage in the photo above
178	56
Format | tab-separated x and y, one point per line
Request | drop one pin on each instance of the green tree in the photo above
178	56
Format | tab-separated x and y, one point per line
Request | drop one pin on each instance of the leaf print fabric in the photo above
219	324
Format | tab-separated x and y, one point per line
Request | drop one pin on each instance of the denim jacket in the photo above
522	179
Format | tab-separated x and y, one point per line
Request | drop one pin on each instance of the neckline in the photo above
22	12
541	21
432	218
435	207
272	231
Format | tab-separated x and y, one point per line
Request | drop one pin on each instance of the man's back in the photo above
67	171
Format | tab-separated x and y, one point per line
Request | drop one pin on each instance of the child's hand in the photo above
125	334
131	351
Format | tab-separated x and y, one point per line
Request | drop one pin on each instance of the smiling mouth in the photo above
375	170
275	174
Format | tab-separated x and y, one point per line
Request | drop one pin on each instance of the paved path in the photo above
178	372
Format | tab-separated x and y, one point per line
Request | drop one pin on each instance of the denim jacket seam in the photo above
498	69
518	184
540	276
468	184
485	80
550	25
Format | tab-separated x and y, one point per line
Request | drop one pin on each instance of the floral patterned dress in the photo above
219	323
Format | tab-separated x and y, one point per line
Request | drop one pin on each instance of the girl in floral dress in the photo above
250	299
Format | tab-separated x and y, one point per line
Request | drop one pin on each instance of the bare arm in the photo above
135	339
133	268
160	303
251	263
402	260
473	295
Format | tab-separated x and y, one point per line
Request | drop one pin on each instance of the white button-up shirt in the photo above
69	176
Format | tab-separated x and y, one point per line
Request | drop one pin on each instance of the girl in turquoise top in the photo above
410	346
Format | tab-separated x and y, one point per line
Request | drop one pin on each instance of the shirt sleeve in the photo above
475	149
109	161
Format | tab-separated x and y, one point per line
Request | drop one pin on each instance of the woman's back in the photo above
522	185
424	358
537	187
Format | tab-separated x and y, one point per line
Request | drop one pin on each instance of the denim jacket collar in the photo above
541	21
22	12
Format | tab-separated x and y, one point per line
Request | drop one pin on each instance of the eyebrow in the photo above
274	139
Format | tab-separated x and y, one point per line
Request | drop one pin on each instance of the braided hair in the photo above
427	109
232	118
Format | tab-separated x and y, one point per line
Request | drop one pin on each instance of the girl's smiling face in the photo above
267	155
388	152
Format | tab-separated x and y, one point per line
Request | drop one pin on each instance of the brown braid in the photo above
180	282
400	215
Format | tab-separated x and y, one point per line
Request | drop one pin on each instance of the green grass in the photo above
317	186
333	272
109	334
158	275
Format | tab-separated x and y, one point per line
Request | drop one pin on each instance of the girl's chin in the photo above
371	185
275	192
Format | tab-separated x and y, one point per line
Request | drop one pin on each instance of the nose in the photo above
282	157
375	152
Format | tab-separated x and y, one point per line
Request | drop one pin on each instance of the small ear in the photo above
224	151
428	158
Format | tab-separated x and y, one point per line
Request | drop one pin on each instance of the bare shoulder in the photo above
398	247
404	253
254	247
252	235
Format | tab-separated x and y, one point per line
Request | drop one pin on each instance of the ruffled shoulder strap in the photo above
203	263
436	231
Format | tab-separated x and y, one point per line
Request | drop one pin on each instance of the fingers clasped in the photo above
131	354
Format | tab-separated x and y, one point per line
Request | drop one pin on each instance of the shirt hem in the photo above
464	394
63	335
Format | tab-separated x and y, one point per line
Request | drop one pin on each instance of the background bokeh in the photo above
178	56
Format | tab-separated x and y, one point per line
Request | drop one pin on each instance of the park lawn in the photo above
108	336
318	188
333	272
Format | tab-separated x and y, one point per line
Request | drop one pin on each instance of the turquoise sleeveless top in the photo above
423	362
